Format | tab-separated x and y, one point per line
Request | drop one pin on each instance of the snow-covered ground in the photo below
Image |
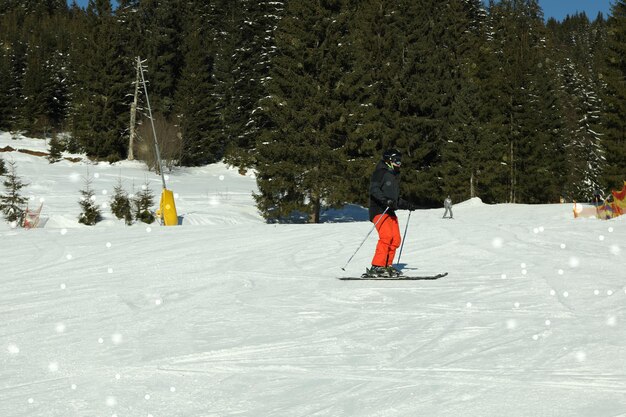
229	316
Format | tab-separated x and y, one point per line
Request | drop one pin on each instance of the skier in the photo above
384	200
597	198
447	204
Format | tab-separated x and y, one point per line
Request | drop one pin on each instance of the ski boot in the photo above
393	272
376	272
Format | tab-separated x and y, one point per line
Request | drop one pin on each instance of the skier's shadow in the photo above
403	267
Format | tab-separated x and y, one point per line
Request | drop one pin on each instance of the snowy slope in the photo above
227	315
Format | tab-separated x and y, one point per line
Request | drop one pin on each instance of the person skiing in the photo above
384	199
447	204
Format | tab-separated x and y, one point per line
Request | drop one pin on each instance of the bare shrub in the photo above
169	138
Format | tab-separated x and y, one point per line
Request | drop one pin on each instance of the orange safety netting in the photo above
613	206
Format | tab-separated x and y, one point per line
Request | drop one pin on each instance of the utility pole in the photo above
133	114
156	142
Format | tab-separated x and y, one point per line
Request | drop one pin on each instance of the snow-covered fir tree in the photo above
12	203
56	150
142	203
91	213
120	204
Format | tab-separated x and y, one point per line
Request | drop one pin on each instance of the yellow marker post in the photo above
167	208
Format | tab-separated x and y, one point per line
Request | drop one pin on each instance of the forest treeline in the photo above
486	100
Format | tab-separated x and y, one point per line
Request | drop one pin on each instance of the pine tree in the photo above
576	45
466	146
196	103
528	104
7	89
91	213
143	202
56	149
120	204
301	165
162	30
245	48
615	98
3	168
102	75
377	52
12	203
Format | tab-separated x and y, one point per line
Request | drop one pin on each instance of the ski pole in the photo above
404	236
368	234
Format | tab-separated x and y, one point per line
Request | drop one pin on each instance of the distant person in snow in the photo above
384	200
447	204
597	198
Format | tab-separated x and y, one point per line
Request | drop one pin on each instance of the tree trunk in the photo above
314	217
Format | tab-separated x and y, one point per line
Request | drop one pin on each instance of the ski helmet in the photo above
393	157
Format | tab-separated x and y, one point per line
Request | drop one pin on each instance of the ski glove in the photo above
392	205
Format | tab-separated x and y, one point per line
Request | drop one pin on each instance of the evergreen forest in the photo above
484	99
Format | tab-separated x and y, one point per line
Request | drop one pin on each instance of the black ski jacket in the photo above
385	186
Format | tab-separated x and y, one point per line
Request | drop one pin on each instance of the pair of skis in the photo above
398	278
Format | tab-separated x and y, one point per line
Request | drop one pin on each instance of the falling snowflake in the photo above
13	349
116	338
497	242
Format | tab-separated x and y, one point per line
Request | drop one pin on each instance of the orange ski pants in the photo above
388	239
